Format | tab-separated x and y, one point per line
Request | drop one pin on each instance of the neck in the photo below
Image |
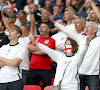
44	20
22	36
80	31
44	36
13	42
69	22
70	54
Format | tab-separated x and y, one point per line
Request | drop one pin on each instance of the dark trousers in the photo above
24	76
35	75
92	81
16	85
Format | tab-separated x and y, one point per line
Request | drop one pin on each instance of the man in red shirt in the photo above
40	64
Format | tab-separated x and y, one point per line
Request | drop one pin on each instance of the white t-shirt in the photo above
71	27
25	63
60	39
10	73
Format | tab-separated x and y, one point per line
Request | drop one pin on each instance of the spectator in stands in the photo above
3	37
22	18
56	13
89	69
24	40
43	18
40	64
60	3
11	18
67	63
10	57
31	8
48	6
60	37
78	4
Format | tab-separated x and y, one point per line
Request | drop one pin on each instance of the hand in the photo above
88	39
68	2
3	12
31	38
51	18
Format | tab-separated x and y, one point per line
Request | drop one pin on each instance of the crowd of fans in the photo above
40	38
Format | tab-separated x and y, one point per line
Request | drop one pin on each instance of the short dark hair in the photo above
46	24
63	21
74	45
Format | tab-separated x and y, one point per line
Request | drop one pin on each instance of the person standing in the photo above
10	57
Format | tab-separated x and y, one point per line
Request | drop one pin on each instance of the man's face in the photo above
11	20
22	18
79	25
92	15
48	4
13	34
25	31
87	4
90	29
45	14
44	29
67	15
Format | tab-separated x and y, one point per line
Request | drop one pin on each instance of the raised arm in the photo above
96	9
32	19
4	19
78	38
70	9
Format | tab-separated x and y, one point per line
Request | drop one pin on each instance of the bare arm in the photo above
4	19
70	9
96	9
1	64
32	19
14	62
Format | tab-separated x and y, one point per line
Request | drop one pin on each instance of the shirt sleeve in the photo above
81	55
51	53
21	53
78	38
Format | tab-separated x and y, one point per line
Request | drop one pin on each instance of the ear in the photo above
18	34
95	30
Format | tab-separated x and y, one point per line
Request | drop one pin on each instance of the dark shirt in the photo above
3	39
39	20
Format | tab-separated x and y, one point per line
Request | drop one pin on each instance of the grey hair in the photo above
95	25
82	19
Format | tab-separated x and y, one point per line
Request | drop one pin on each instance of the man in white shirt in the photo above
10	57
24	40
89	69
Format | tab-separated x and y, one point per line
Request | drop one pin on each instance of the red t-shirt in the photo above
42	61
